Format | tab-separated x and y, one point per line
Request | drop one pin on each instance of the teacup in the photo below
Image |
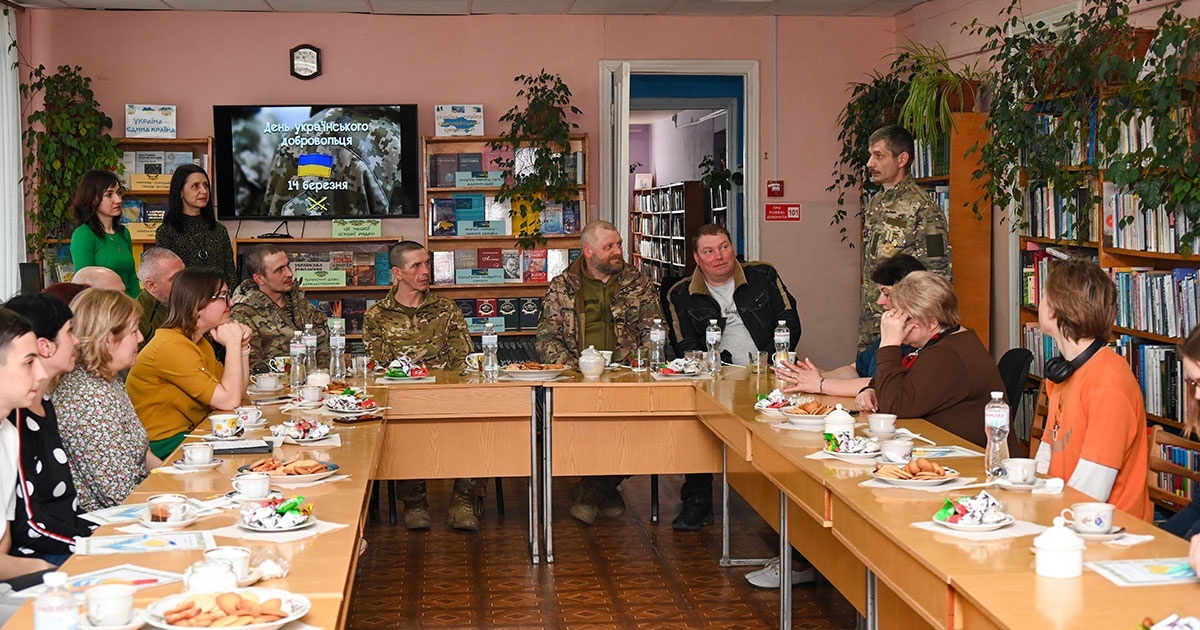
237	557
607	354
319	377
248	415
168	508
882	423
197	454
311	393
252	485
280	364
1020	470
475	361
1090	518
225	425
267	381
897	450
110	604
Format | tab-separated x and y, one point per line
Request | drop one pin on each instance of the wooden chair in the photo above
1159	437
1041	409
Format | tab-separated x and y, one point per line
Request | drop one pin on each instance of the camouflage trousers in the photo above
868	316
413	490
592	490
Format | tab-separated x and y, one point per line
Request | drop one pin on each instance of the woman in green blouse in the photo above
190	227
100	239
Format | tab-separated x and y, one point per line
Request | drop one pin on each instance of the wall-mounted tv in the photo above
316	161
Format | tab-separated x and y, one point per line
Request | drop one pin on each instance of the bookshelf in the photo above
661	224
471	236
152	191
363	259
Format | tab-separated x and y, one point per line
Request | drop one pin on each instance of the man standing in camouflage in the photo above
272	306
901	219
431	330
598	301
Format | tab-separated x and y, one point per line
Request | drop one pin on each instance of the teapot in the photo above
591	363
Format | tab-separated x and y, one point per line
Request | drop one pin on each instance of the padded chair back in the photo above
1040	410
1014	371
1160	491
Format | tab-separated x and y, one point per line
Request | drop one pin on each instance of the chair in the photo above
1041	408
664	287
1160	465
1014	371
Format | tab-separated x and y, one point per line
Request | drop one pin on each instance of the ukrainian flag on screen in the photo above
314	165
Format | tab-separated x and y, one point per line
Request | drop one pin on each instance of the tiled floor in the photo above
622	573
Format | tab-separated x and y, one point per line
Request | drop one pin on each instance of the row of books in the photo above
1137	132
447	170
661	224
941	196
505	314
493	265
1129	225
1184	457
350	309
1163	302
470	214
157	163
362	269
657	272
666	199
1082	149
1158	371
664	251
931	158
1040	344
1052	214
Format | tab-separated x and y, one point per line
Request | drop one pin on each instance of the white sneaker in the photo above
768	576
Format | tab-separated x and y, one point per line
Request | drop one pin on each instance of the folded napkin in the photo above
170	469
1016	530
941	487
848	460
1053	485
1129	540
281	481
233	531
333	439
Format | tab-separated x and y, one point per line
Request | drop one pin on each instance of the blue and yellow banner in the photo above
314	165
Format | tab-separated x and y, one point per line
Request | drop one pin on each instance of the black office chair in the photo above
1014	371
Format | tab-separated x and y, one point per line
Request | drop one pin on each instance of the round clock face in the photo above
305	62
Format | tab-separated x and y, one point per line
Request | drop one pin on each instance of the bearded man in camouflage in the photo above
271	304
598	301
903	218
428	329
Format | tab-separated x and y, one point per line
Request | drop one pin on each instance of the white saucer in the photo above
138	620
233	494
209	466
879	436
1005	484
145	521
253	575
1113	535
977	527
255	390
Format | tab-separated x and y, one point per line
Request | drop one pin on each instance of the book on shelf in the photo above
132	210
341	260
465	258
442	169
509	309
573	254
486	307
556	262
443	218
534	265
443	268
468	207
497	210
529	309
364	269
153	212
174	159
510	262
466	307
328	308
489	258
353	311
129	163
311	261
470	162
478	276
383	269
149	162
552	218
571	221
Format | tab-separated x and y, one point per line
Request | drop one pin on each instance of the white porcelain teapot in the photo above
591	363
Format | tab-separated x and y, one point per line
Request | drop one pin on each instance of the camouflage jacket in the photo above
434	333
272	325
903	219
154	313
560	328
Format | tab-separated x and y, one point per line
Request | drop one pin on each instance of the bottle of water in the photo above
712	337
658	345
995	424
55	608
310	348
337	348
297	374
491	359
783	338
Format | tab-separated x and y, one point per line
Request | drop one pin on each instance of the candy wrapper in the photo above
301	429
277	513
855	444
777	400
682	366
404	367
980	509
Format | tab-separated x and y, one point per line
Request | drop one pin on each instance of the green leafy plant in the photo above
538	164
718	178
935	91
63	140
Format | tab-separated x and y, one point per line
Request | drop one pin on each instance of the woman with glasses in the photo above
106	445
101	240
190	227
177	379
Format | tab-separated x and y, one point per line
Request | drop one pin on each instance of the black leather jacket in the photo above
761	301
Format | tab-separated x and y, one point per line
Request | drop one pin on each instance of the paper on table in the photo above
1148	572
142	543
333	439
132	512
944	452
1053	485
233	531
279	481
1016	530
170	469
941	487
1129	540
137	576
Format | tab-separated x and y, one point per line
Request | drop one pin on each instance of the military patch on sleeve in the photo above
935	244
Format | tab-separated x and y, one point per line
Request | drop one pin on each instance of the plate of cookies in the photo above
533	371
807	413
251	608
295	471
918	473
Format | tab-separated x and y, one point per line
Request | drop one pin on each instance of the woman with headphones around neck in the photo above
1095	435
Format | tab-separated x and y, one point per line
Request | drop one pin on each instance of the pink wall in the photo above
197	59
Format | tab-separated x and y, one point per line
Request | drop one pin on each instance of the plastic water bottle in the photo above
995	424
783	338
310	348
491	359
337	348
658	345
55	608
297	374
712	337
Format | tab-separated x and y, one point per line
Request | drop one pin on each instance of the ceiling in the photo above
854	8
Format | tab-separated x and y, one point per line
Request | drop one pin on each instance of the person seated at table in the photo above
1095	433
1186	522
177	379
157	271
22	377
948	378
848	380
65	291
272	305
107	446
747	300
428	329
598	301
47	520
101	277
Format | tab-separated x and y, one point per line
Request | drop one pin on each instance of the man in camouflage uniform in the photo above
598	301
354	167
901	219
273	306
157	273
431	330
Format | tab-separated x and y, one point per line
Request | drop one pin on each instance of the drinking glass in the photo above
758	362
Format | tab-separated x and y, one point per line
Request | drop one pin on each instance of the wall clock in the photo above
306	61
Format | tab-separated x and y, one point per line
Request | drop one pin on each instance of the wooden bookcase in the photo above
661	224
198	147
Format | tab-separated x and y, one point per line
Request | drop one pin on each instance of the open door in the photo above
614	189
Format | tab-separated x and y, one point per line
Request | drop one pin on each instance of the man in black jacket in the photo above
748	301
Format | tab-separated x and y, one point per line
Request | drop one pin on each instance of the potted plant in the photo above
719	180
935	91
537	160
63	140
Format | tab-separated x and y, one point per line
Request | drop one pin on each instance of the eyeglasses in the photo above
223	296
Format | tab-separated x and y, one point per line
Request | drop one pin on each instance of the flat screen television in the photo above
316	161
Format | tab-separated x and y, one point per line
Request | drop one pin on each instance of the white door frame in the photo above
613	140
